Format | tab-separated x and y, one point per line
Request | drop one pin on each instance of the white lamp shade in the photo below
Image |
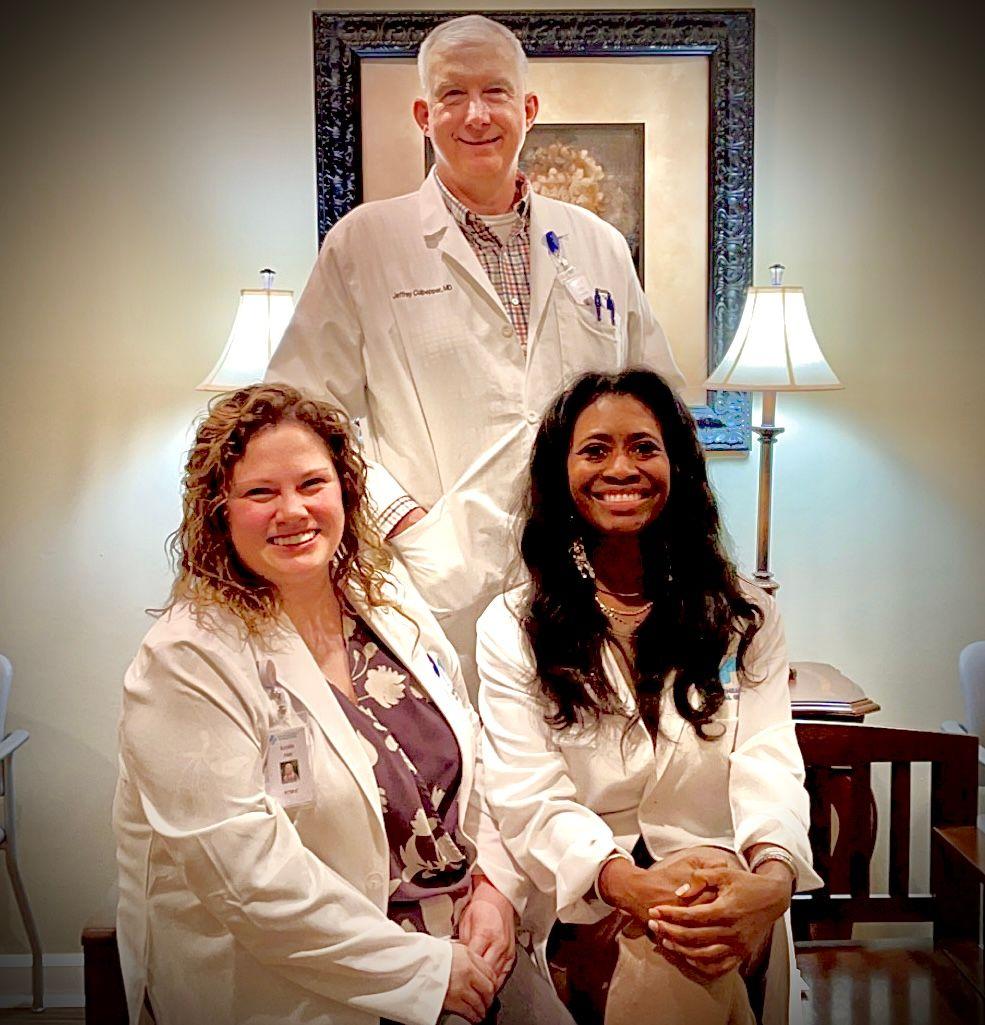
260	321
774	348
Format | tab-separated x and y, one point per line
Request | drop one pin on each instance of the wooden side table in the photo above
819	692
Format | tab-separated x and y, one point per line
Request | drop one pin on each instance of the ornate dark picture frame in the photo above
342	39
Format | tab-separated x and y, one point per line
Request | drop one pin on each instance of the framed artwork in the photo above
661	103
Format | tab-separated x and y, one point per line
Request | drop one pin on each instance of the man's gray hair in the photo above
471	28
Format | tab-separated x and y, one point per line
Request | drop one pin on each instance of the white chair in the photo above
8	835
971	675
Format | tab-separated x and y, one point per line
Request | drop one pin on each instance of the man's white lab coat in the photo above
232	909
400	324
565	800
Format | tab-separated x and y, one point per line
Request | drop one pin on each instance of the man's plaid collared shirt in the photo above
507	263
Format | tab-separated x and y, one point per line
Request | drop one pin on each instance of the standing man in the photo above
448	319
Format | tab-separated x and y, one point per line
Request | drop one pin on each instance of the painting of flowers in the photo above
597	166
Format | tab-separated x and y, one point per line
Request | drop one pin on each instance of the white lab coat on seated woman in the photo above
232	909
565	800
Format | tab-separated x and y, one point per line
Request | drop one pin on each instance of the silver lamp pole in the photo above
768	433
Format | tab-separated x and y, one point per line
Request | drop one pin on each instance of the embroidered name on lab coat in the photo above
421	291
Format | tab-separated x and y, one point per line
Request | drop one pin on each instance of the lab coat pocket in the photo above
455	553
406	537
432	556
587	343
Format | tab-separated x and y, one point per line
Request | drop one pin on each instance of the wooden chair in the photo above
888	982
106	1000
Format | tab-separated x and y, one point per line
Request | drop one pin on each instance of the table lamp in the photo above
260	321
774	349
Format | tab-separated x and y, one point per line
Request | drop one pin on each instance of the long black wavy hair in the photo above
698	606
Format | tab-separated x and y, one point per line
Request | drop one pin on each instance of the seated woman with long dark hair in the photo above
639	753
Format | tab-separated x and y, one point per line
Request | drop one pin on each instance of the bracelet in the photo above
614	856
773	854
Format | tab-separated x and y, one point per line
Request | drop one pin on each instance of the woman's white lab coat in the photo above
565	800
232	909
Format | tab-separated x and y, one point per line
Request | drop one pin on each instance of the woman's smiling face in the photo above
618	470
285	505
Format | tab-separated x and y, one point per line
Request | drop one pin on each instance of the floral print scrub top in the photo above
418	768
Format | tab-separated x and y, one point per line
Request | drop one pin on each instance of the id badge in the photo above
576	285
287	769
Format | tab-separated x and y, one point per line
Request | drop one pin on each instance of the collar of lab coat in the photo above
298	673
441	230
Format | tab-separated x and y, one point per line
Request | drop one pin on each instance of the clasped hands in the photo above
483	955
702	906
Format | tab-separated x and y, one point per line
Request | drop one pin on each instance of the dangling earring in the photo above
580	558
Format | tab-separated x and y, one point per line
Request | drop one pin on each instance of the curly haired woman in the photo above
639	753
356	886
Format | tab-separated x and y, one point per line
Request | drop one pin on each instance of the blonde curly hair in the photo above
209	573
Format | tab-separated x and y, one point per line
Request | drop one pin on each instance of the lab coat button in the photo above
531	417
374	882
507	331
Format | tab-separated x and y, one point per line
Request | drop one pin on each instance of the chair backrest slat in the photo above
899	830
819	791
859	828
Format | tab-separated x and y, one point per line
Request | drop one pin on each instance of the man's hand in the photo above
407	520
486	928
733	928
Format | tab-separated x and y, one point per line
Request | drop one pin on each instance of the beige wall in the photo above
157	155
